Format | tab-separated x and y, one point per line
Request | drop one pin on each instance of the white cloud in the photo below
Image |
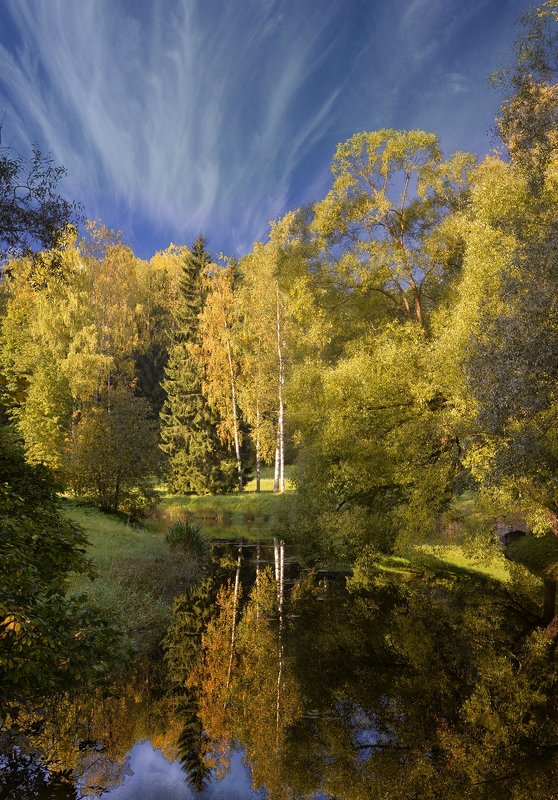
184	115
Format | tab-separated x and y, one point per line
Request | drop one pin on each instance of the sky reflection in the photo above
154	778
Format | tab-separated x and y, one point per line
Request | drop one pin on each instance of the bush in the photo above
189	539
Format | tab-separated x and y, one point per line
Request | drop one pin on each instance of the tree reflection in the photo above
407	686
426	687
24	778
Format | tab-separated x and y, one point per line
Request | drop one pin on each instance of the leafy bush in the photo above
48	641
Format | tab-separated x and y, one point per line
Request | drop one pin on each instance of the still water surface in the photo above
279	682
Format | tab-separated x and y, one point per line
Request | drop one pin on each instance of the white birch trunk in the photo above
234	412
235	607
279	572
258	449
280	453
258	556
276	473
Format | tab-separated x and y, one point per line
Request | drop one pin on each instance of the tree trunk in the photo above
418	307
258	558
235	607
258	456
279	575
276	472
280	457
552	631
549	599
235	414
117	494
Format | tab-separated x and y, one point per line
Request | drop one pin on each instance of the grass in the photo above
446	559
231	509
138	574
459	561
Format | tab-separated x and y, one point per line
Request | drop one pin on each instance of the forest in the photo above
382	370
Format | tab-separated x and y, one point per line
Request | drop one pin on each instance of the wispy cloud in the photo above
183	113
457	83
194	115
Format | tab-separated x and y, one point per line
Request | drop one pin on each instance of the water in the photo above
284	684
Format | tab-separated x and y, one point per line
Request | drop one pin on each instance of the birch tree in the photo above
266	331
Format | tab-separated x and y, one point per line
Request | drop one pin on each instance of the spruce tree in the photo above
197	461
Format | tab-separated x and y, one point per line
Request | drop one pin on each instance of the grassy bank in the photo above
450	560
231	509
137	573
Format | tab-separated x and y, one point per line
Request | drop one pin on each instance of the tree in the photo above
114	454
266	344
376	227
157	298
32	213
498	347
528	118
67	346
48	640
197	461
378	452
218	323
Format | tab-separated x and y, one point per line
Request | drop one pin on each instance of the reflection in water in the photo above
405	687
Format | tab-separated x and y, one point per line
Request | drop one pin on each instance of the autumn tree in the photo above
266	336
115	454
67	350
219	354
157	300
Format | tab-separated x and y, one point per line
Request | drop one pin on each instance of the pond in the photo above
280	682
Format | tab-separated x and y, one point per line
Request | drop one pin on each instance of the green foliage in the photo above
528	119
114	455
378	228
188	538
378	459
48	640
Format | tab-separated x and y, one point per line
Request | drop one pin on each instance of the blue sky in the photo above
216	116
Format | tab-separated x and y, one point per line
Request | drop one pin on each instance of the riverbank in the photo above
138	575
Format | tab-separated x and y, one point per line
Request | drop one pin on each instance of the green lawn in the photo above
445	559
246	507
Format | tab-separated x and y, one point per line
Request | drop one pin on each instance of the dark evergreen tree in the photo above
198	462
193	743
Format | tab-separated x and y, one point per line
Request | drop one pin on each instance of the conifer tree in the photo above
197	460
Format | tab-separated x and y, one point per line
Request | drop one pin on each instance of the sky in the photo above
183	117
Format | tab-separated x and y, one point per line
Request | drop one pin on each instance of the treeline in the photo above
397	339
117	369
